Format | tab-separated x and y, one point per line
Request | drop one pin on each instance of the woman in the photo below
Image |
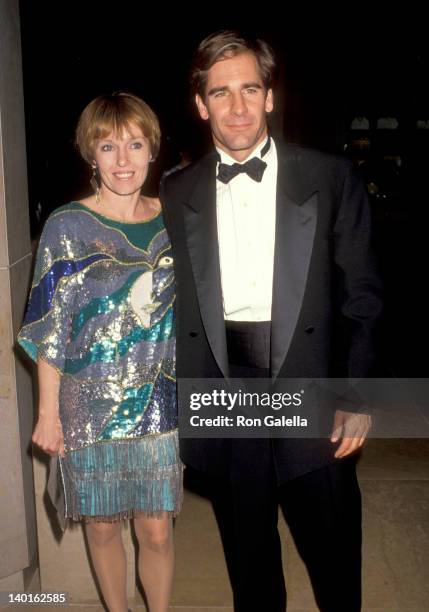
100	324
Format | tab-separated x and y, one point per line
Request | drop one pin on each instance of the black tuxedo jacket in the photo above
326	292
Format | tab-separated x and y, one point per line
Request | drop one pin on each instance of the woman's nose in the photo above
122	159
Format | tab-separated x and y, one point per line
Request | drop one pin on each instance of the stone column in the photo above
18	539
27	543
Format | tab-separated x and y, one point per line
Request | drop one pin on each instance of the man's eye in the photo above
251	90
219	94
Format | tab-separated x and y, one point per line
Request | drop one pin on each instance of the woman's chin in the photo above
124	188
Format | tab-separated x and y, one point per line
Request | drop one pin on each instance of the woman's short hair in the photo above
116	113
228	43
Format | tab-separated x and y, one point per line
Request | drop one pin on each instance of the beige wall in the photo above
63	561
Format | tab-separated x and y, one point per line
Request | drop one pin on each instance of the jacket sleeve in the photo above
359	282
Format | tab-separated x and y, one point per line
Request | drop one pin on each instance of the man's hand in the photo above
353	428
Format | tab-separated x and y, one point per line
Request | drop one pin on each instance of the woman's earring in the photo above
94	182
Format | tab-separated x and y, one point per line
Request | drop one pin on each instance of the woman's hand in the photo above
48	435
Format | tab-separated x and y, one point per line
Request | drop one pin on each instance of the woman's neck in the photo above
122	207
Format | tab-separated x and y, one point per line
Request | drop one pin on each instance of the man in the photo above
274	279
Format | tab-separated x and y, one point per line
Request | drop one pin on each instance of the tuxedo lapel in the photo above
202	241
296	219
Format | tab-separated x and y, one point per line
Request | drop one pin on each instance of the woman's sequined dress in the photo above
101	311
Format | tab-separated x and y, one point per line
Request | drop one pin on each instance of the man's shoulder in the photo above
312	160
179	183
305	170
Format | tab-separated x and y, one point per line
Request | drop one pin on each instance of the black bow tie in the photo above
254	168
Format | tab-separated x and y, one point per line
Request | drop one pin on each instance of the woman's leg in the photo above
110	564
156	559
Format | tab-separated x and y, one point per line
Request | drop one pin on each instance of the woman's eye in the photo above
136	145
107	147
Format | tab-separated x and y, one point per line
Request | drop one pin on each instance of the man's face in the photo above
235	104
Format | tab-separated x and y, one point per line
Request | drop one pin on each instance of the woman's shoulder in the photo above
62	212
152	208
66	215
154	202
62	222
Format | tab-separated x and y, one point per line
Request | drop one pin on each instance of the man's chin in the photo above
240	142
238	145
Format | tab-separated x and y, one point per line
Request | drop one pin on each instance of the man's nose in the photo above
238	106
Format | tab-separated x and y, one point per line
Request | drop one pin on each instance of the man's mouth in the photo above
239	126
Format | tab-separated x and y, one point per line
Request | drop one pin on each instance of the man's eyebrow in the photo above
255	85
215	90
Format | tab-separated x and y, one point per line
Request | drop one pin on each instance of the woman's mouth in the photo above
123	176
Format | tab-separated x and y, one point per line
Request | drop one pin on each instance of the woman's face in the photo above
123	160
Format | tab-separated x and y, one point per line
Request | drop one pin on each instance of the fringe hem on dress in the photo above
123	516
122	479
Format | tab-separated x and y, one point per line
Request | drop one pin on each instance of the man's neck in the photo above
233	157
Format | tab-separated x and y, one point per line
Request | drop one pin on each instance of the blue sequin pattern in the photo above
101	311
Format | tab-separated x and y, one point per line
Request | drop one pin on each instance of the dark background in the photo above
332	68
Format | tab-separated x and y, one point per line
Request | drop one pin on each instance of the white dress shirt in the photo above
246	219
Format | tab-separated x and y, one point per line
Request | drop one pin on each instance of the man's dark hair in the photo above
225	44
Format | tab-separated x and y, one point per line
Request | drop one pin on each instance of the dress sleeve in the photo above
47	323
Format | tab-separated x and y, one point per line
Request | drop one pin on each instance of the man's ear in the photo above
202	108
269	101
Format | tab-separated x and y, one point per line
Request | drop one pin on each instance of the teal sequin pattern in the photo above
101	311
107	323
